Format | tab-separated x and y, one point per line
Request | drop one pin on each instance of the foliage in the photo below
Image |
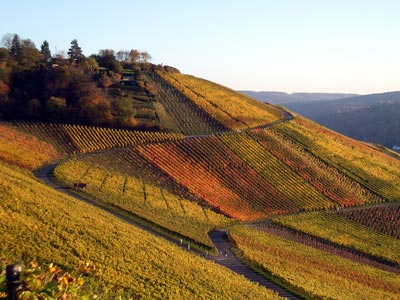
24	150
143	199
362	163
31	80
314	272
51	282
49	226
73	139
233	110
186	116
343	231
384	219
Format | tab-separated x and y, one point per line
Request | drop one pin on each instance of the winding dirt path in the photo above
219	238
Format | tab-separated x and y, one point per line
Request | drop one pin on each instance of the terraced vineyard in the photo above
233	110
42	224
24	150
343	231
187	117
373	169
315	273
180	216
310	182
72	139
384	219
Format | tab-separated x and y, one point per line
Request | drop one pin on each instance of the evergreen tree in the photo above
75	52
45	51
15	46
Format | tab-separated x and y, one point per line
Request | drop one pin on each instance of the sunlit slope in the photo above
144	199
42	224
230	108
316	273
71	139
366	165
369	230
263	172
24	150
179	113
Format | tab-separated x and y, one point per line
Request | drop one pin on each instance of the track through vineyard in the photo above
226	257
327	246
219	238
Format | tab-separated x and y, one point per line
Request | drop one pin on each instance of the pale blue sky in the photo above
281	45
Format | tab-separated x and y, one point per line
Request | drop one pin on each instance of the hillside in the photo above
223	161
370	118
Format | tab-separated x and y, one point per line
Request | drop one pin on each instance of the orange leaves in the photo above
24	150
76	138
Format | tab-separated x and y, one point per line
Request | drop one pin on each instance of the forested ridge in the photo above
72	88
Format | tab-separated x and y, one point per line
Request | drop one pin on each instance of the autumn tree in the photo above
106	58
55	108
29	56
134	56
145	56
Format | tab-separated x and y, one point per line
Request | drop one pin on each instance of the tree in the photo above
45	51
89	64
134	55
34	109
28	56
75	52
122	55
106	58
55	108
15	48
145	56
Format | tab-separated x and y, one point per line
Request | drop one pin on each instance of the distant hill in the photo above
371	118
283	98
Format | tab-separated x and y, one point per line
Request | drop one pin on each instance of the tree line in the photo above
72	88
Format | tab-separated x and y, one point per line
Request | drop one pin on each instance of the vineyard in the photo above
314	272
333	227
24	150
186	116
214	173
321	211
71	139
233	110
49	226
329	181
146	200
384	219
369	167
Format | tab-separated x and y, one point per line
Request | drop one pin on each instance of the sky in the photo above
350	46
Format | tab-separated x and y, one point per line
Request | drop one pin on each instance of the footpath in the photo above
219	238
